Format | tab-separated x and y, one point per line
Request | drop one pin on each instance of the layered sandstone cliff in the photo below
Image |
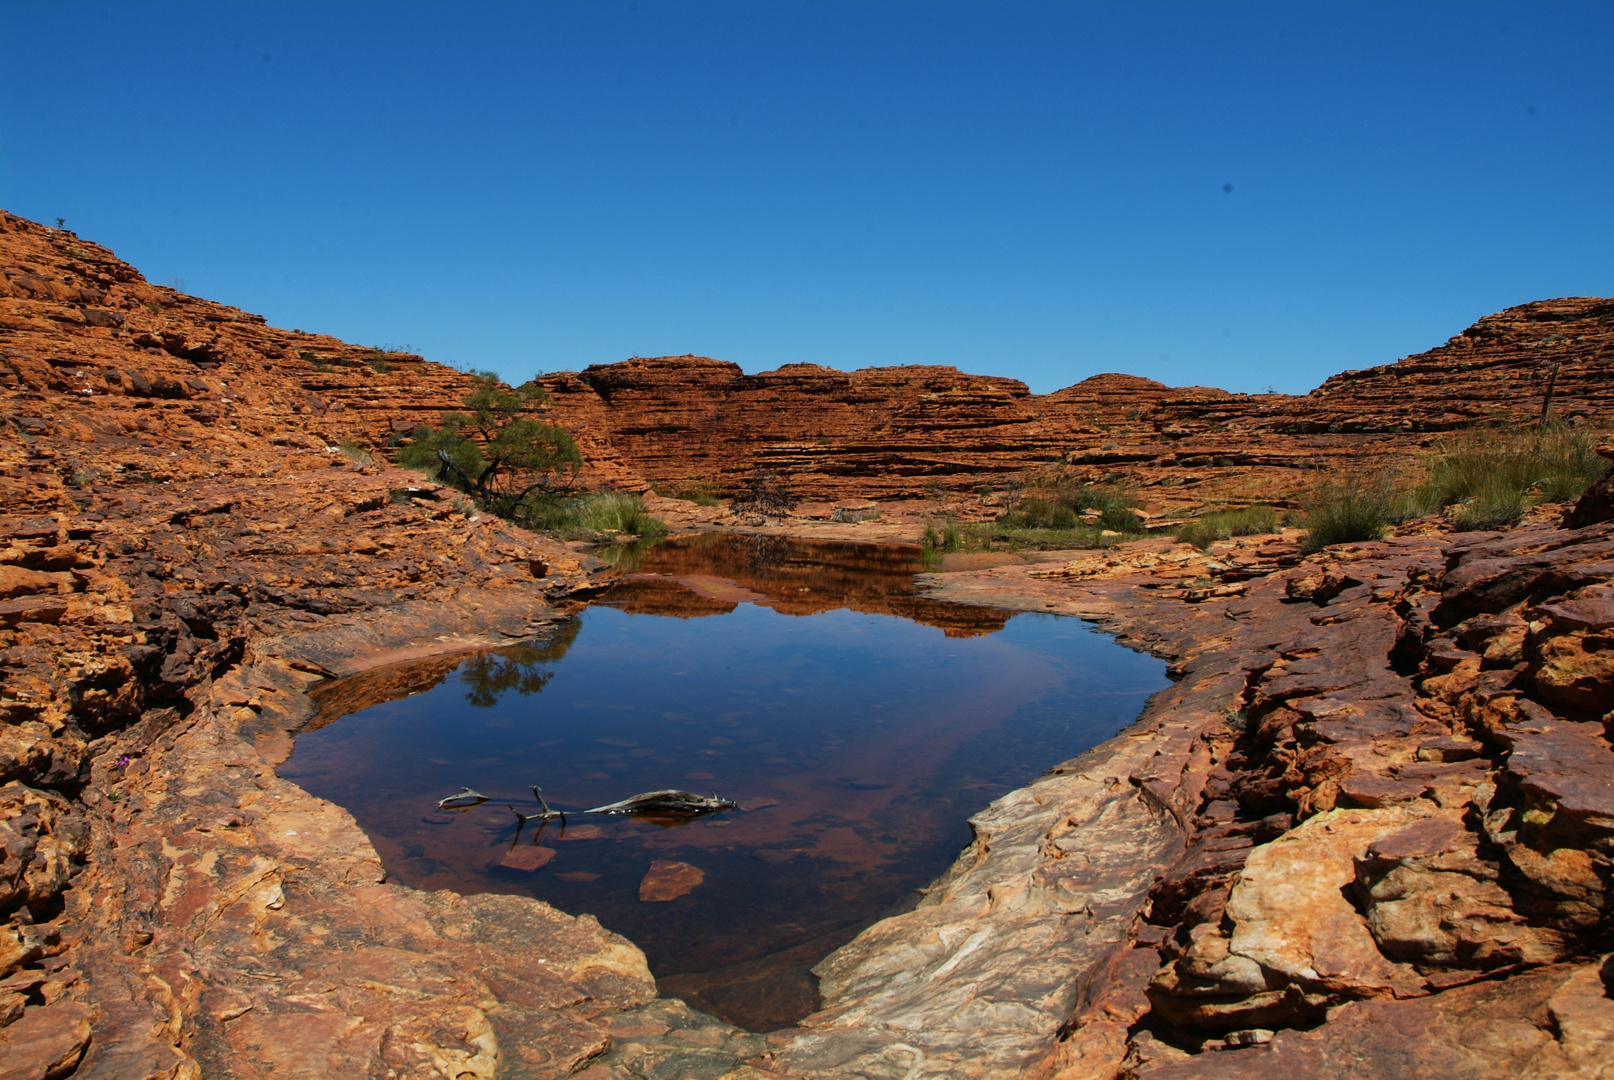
908	431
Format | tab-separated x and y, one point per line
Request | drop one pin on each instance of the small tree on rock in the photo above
497	451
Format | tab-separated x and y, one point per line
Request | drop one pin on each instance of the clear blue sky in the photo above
1036	189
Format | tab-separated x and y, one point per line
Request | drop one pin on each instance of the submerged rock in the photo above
669	880
528	858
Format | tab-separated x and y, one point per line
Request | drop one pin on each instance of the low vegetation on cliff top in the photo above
1493	475
1226	524
1483	478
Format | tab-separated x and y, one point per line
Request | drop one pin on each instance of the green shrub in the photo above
1040	513
314	360
1048	520
1062	504
941	535
1226	524
1120	519
496	452
1347	509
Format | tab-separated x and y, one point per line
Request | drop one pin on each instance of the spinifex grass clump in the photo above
1062	503
1349	508
1226	524
590	517
942	534
1492	475
1484	478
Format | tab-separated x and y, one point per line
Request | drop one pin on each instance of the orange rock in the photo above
528	858
669	880
884	433
172	467
47	1041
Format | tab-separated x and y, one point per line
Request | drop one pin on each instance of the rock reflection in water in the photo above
849	719
711	573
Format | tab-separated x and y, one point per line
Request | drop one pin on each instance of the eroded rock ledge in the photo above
1383	791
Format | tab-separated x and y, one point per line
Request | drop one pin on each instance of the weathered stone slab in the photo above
1489	1031
1289	911
978	978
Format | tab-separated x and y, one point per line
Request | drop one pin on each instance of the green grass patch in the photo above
590	517
1226	524
1054	514
699	492
1483	478
1493	475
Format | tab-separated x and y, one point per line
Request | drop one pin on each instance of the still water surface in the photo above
857	725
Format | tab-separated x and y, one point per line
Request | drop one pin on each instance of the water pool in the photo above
857	725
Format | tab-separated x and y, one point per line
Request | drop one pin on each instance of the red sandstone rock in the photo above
887	432
668	880
527	857
45	1043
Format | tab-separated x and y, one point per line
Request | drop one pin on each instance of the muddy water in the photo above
857	725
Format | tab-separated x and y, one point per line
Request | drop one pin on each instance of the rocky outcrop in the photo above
195	534
907	431
1387	776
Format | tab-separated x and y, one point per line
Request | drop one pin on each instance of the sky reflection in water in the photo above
856	743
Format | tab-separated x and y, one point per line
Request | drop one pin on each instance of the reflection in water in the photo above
855	743
710	573
523	669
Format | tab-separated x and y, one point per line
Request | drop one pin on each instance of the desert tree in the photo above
498	450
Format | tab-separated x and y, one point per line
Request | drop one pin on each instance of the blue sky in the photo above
1037	190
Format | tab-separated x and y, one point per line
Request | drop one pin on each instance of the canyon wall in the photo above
911	431
79	321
